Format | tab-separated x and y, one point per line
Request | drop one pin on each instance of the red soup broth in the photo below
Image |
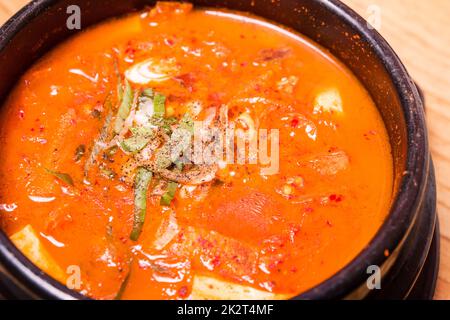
276	235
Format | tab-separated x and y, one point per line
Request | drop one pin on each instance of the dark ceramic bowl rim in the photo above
392	233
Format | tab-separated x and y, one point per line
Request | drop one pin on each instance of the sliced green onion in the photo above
177	143
159	105
124	108
142	131
179	165
142	182
98	144
148	93
145	97
187	123
141	137
167	198
134	144
123	286
61	176
163	123
119	80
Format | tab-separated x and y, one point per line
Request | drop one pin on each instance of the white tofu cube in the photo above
328	101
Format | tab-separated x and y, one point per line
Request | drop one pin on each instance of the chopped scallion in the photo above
142	182
167	198
61	176
124	108
123	286
159	105
141	137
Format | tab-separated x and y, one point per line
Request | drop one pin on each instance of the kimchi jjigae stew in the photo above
187	153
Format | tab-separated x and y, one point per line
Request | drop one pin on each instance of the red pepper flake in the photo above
272	266
130	51
329	223
295	229
216	261
123	239
41	129
335	198
170	42
215	98
309	209
333	149
369	133
21	114
236	259
295	122
275	242
187	80
205	244
143	265
183	292
269	285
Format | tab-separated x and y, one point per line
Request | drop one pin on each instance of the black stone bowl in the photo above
410	268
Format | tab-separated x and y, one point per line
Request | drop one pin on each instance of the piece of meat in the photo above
330	164
212	251
167	231
194	176
273	54
248	215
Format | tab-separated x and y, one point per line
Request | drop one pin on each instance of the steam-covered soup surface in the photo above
182	153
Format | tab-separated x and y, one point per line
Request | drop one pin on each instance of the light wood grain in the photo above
419	32
9	7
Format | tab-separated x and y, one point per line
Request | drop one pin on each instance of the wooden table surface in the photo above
419	32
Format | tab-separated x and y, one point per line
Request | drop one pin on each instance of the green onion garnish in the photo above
124	108
159	105
142	182
167	198
61	176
